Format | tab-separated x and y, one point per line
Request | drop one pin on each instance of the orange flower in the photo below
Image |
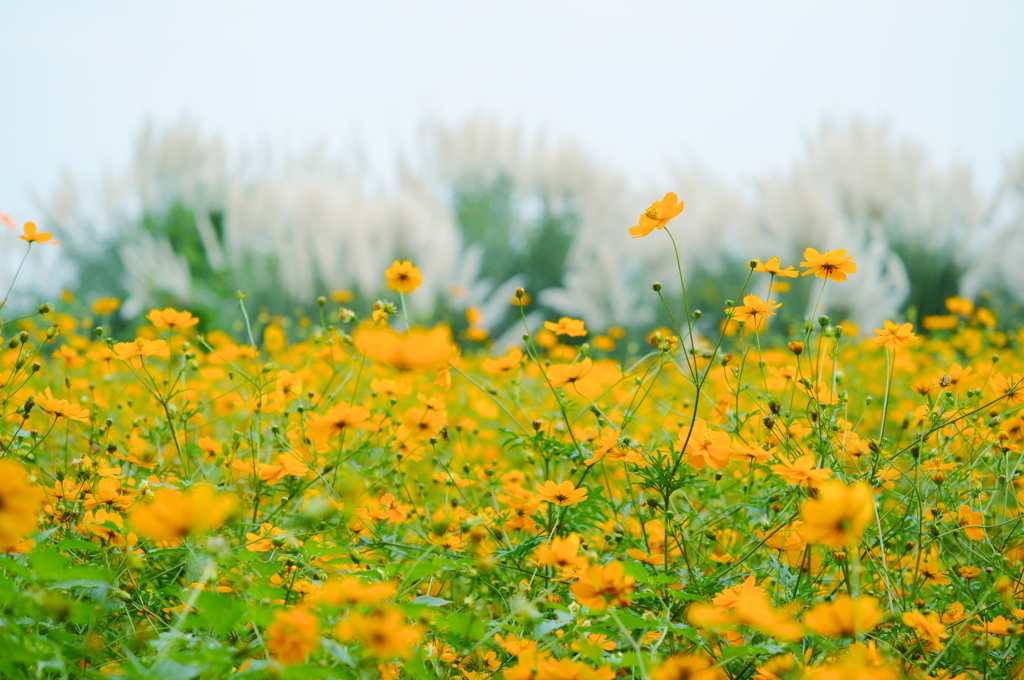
561	375
838	515
894	335
801	471
971	523
269	537
294	635
403	277
603	587
561	553
504	364
105	306
688	667
33	236
658	215
564	493
751	608
59	408
388	508
1012	387
416	349
1000	625
566	326
834	264
706	447
384	633
927	627
844	616
142	348
774	267
20	500
931	572
342	416
727	599
171	319
348	591
754	309
172	515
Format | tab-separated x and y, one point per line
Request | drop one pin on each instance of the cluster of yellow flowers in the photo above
367	499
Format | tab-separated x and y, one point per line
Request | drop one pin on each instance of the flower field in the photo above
354	496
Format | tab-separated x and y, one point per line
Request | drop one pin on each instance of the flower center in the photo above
653	213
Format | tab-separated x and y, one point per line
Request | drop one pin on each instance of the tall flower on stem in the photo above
754	310
658	215
33	236
832	264
892	336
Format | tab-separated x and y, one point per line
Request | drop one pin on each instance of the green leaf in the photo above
77	544
48	564
172	670
431	601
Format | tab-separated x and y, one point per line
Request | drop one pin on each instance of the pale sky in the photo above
733	86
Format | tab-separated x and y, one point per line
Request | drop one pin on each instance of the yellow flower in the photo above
416	349
105	306
687	667
403	277
349	591
342	416
959	305
564	493
294	635
171	514
833	264
171	318
705	447
971	523
504	364
1011	387
927	627
844	616
19	503
59	408
754	309
658	215
383	632
561	553
838	515
801	471
140	347
601	587
561	375
894	335
33	236
727	599
774	266
566	326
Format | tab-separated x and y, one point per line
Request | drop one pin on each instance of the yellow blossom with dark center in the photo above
403	277
833	264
